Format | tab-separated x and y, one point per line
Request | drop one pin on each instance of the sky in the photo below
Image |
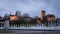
32	7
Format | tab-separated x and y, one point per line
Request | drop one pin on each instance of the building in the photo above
43	16
14	18
2	20
18	13
6	16
26	17
50	17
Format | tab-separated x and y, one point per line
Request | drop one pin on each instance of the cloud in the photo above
33	7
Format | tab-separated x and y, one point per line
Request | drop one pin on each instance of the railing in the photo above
28	25
6	25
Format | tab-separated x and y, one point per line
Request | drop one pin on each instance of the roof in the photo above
50	15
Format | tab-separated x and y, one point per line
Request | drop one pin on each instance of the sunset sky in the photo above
32	7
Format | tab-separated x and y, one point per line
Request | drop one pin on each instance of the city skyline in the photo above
32	7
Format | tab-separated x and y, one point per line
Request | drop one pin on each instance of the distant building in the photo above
58	19
2	19
18	13
13	18
26	17
50	17
43	16
6	16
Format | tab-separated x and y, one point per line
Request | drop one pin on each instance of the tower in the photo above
18	13
42	15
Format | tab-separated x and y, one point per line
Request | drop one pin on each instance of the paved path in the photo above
27	32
